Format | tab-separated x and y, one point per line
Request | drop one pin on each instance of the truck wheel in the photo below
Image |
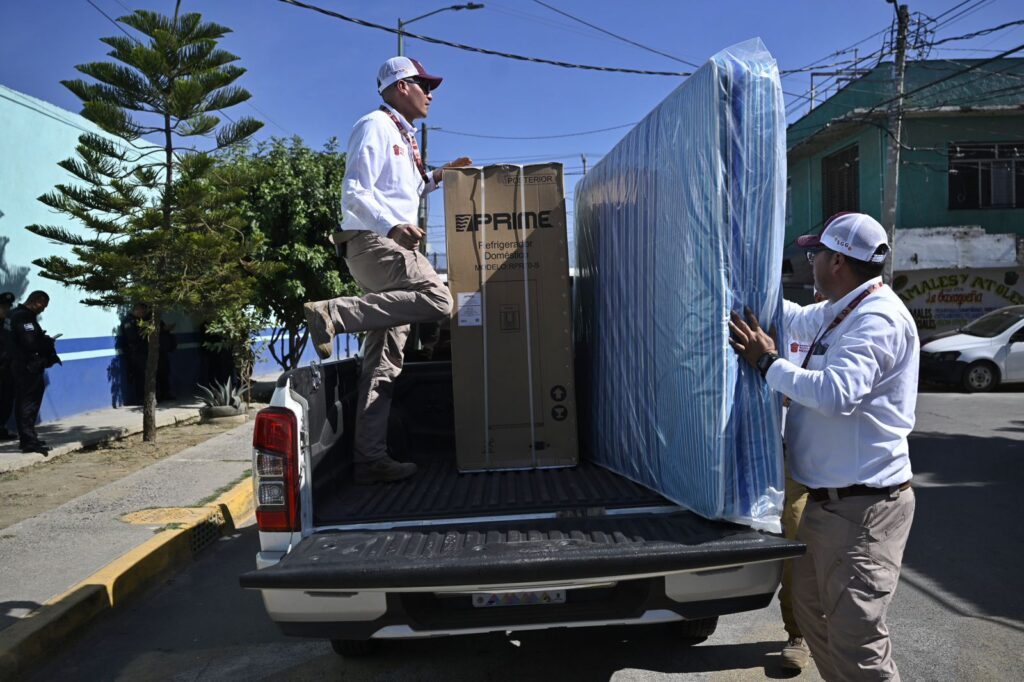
352	648
980	377
695	631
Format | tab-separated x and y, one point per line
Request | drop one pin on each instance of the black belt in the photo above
822	494
341	242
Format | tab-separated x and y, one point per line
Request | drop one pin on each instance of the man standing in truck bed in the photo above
384	180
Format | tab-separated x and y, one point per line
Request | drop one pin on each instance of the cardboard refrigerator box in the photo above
511	337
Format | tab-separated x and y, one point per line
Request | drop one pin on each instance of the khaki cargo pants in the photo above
843	585
792	512
401	288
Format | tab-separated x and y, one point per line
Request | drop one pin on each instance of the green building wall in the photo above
923	199
924	189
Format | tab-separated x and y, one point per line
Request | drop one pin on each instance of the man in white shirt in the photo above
384	180
852	408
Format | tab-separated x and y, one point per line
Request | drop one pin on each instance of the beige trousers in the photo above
843	585
401	288
792	511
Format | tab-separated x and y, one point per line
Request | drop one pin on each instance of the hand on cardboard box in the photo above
460	162
407	236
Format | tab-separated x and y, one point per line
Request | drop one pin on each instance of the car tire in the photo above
980	377
352	648
695	631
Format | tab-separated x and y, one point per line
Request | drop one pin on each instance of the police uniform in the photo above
6	378
32	353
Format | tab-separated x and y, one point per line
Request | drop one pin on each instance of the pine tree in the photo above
164	221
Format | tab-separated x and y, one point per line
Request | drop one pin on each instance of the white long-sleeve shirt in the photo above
382	186
853	407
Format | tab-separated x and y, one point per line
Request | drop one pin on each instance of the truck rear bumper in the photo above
386	584
402	615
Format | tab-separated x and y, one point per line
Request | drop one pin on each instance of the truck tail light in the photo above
276	468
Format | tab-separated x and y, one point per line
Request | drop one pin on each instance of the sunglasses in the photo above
811	255
422	84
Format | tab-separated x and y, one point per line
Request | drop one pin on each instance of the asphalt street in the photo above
957	615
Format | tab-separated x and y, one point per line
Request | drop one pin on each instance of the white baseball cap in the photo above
856	235
400	68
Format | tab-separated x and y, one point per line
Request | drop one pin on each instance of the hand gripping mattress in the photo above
681	223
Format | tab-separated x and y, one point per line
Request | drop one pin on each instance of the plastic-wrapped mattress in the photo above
681	223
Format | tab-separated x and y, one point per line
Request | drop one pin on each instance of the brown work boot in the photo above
321	327
383	470
795	655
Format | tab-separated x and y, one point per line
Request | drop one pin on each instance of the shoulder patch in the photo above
398	150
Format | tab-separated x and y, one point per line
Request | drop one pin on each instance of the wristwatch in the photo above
765	361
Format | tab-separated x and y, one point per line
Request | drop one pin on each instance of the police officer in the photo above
6	378
33	352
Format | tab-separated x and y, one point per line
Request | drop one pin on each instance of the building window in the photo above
988	175
840	182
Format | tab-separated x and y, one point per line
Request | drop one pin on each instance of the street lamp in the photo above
402	24
422	218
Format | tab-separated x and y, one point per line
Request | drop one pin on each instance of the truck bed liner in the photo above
438	490
518	552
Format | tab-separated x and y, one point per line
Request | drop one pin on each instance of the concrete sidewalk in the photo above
93	428
43	557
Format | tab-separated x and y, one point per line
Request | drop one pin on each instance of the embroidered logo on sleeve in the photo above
398	150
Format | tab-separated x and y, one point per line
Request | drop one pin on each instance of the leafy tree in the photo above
165	223
293	204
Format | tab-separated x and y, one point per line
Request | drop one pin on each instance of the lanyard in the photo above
417	160
838	319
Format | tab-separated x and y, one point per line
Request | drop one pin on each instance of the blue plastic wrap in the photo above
681	223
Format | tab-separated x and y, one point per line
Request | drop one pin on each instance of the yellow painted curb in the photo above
39	634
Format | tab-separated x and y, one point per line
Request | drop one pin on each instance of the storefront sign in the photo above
948	299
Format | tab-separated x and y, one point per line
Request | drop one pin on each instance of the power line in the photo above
482	50
968	69
533	137
837	53
951	9
792	105
111	20
976	34
617	36
863	116
979	4
139	42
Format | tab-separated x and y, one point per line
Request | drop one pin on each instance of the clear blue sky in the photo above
313	76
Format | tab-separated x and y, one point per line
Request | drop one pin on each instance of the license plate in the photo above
485	600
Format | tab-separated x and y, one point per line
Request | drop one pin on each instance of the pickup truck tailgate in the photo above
502	553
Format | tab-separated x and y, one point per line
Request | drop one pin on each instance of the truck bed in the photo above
422	431
438	490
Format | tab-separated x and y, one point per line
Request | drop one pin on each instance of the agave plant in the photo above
220	395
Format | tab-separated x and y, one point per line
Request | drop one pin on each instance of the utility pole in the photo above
891	185
583	157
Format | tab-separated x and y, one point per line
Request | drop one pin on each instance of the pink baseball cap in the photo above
856	235
400	68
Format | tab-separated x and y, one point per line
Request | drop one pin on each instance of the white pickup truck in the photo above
449	553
